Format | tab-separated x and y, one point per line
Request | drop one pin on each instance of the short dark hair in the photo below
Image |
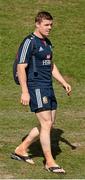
43	15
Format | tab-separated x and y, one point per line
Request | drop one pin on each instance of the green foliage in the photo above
68	38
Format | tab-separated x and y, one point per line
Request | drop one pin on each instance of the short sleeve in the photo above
24	52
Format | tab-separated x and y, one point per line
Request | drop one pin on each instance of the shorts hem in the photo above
44	109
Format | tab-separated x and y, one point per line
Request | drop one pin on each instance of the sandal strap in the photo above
23	157
54	168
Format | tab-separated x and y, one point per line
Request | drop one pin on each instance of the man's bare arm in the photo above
57	75
25	97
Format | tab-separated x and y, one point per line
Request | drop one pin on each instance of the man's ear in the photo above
37	24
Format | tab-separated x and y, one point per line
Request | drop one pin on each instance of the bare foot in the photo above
22	154
21	151
53	167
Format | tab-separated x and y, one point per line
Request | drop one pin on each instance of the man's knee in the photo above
45	119
47	124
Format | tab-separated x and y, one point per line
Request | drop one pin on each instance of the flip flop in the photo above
55	169
24	158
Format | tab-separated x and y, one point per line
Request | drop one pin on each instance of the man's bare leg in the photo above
23	147
46	121
53	112
33	136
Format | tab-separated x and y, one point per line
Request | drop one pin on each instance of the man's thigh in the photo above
44	117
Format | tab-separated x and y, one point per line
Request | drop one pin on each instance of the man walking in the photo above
35	55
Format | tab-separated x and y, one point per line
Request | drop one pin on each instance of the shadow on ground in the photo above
56	136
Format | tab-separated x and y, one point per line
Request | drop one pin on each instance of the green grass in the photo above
68	38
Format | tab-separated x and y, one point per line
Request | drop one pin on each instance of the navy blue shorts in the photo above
42	99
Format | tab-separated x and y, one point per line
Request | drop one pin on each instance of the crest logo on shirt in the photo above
41	49
48	56
45	100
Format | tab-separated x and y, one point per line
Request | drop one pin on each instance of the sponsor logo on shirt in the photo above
46	62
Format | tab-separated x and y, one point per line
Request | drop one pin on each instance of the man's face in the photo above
44	27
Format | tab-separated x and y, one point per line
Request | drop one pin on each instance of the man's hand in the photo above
25	98
67	88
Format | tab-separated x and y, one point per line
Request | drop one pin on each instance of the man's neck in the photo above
36	33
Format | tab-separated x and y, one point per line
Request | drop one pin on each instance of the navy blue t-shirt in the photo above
42	51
